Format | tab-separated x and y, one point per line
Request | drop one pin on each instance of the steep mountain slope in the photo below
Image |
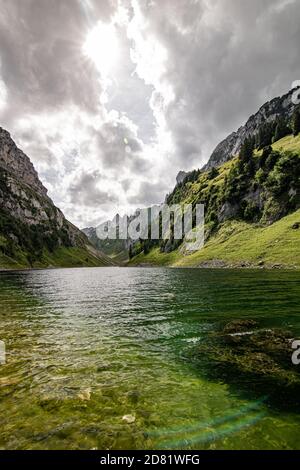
238	245
252	215
33	232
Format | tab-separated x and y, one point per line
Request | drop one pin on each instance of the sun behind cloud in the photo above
101	46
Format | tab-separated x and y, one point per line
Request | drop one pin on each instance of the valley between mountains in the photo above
250	188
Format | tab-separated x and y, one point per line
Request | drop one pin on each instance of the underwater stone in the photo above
239	326
259	359
85	395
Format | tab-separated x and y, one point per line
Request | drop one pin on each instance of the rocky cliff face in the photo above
13	160
28	217
279	107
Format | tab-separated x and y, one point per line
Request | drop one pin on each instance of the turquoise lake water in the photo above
100	359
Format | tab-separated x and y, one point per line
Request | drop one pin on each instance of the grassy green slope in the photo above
239	244
289	143
61	257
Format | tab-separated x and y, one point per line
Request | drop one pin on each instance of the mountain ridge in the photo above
281	106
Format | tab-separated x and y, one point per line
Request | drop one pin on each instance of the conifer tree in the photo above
281	130
247	150
266	134
296	122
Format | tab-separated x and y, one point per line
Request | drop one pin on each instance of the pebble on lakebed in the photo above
242	353
129	419
85	395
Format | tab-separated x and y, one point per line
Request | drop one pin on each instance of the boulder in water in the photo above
248	357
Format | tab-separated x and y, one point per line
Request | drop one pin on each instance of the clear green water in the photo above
87	346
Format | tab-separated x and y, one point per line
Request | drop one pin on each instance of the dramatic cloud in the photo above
86	189
41	44
111	98
223	59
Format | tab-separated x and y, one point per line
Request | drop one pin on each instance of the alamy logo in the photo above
296	354
2	353
163	222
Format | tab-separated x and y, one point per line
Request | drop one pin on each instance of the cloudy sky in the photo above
111	98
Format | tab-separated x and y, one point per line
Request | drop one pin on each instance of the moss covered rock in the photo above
246	356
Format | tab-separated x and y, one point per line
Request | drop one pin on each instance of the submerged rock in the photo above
239	326
243	355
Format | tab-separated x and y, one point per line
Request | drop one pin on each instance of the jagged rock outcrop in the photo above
282	107
13	160
24	196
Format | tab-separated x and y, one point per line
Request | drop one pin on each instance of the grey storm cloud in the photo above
85	191
41	64
225	58
148	194
119	147
32	139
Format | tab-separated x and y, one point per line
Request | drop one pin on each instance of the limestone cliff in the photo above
30	224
